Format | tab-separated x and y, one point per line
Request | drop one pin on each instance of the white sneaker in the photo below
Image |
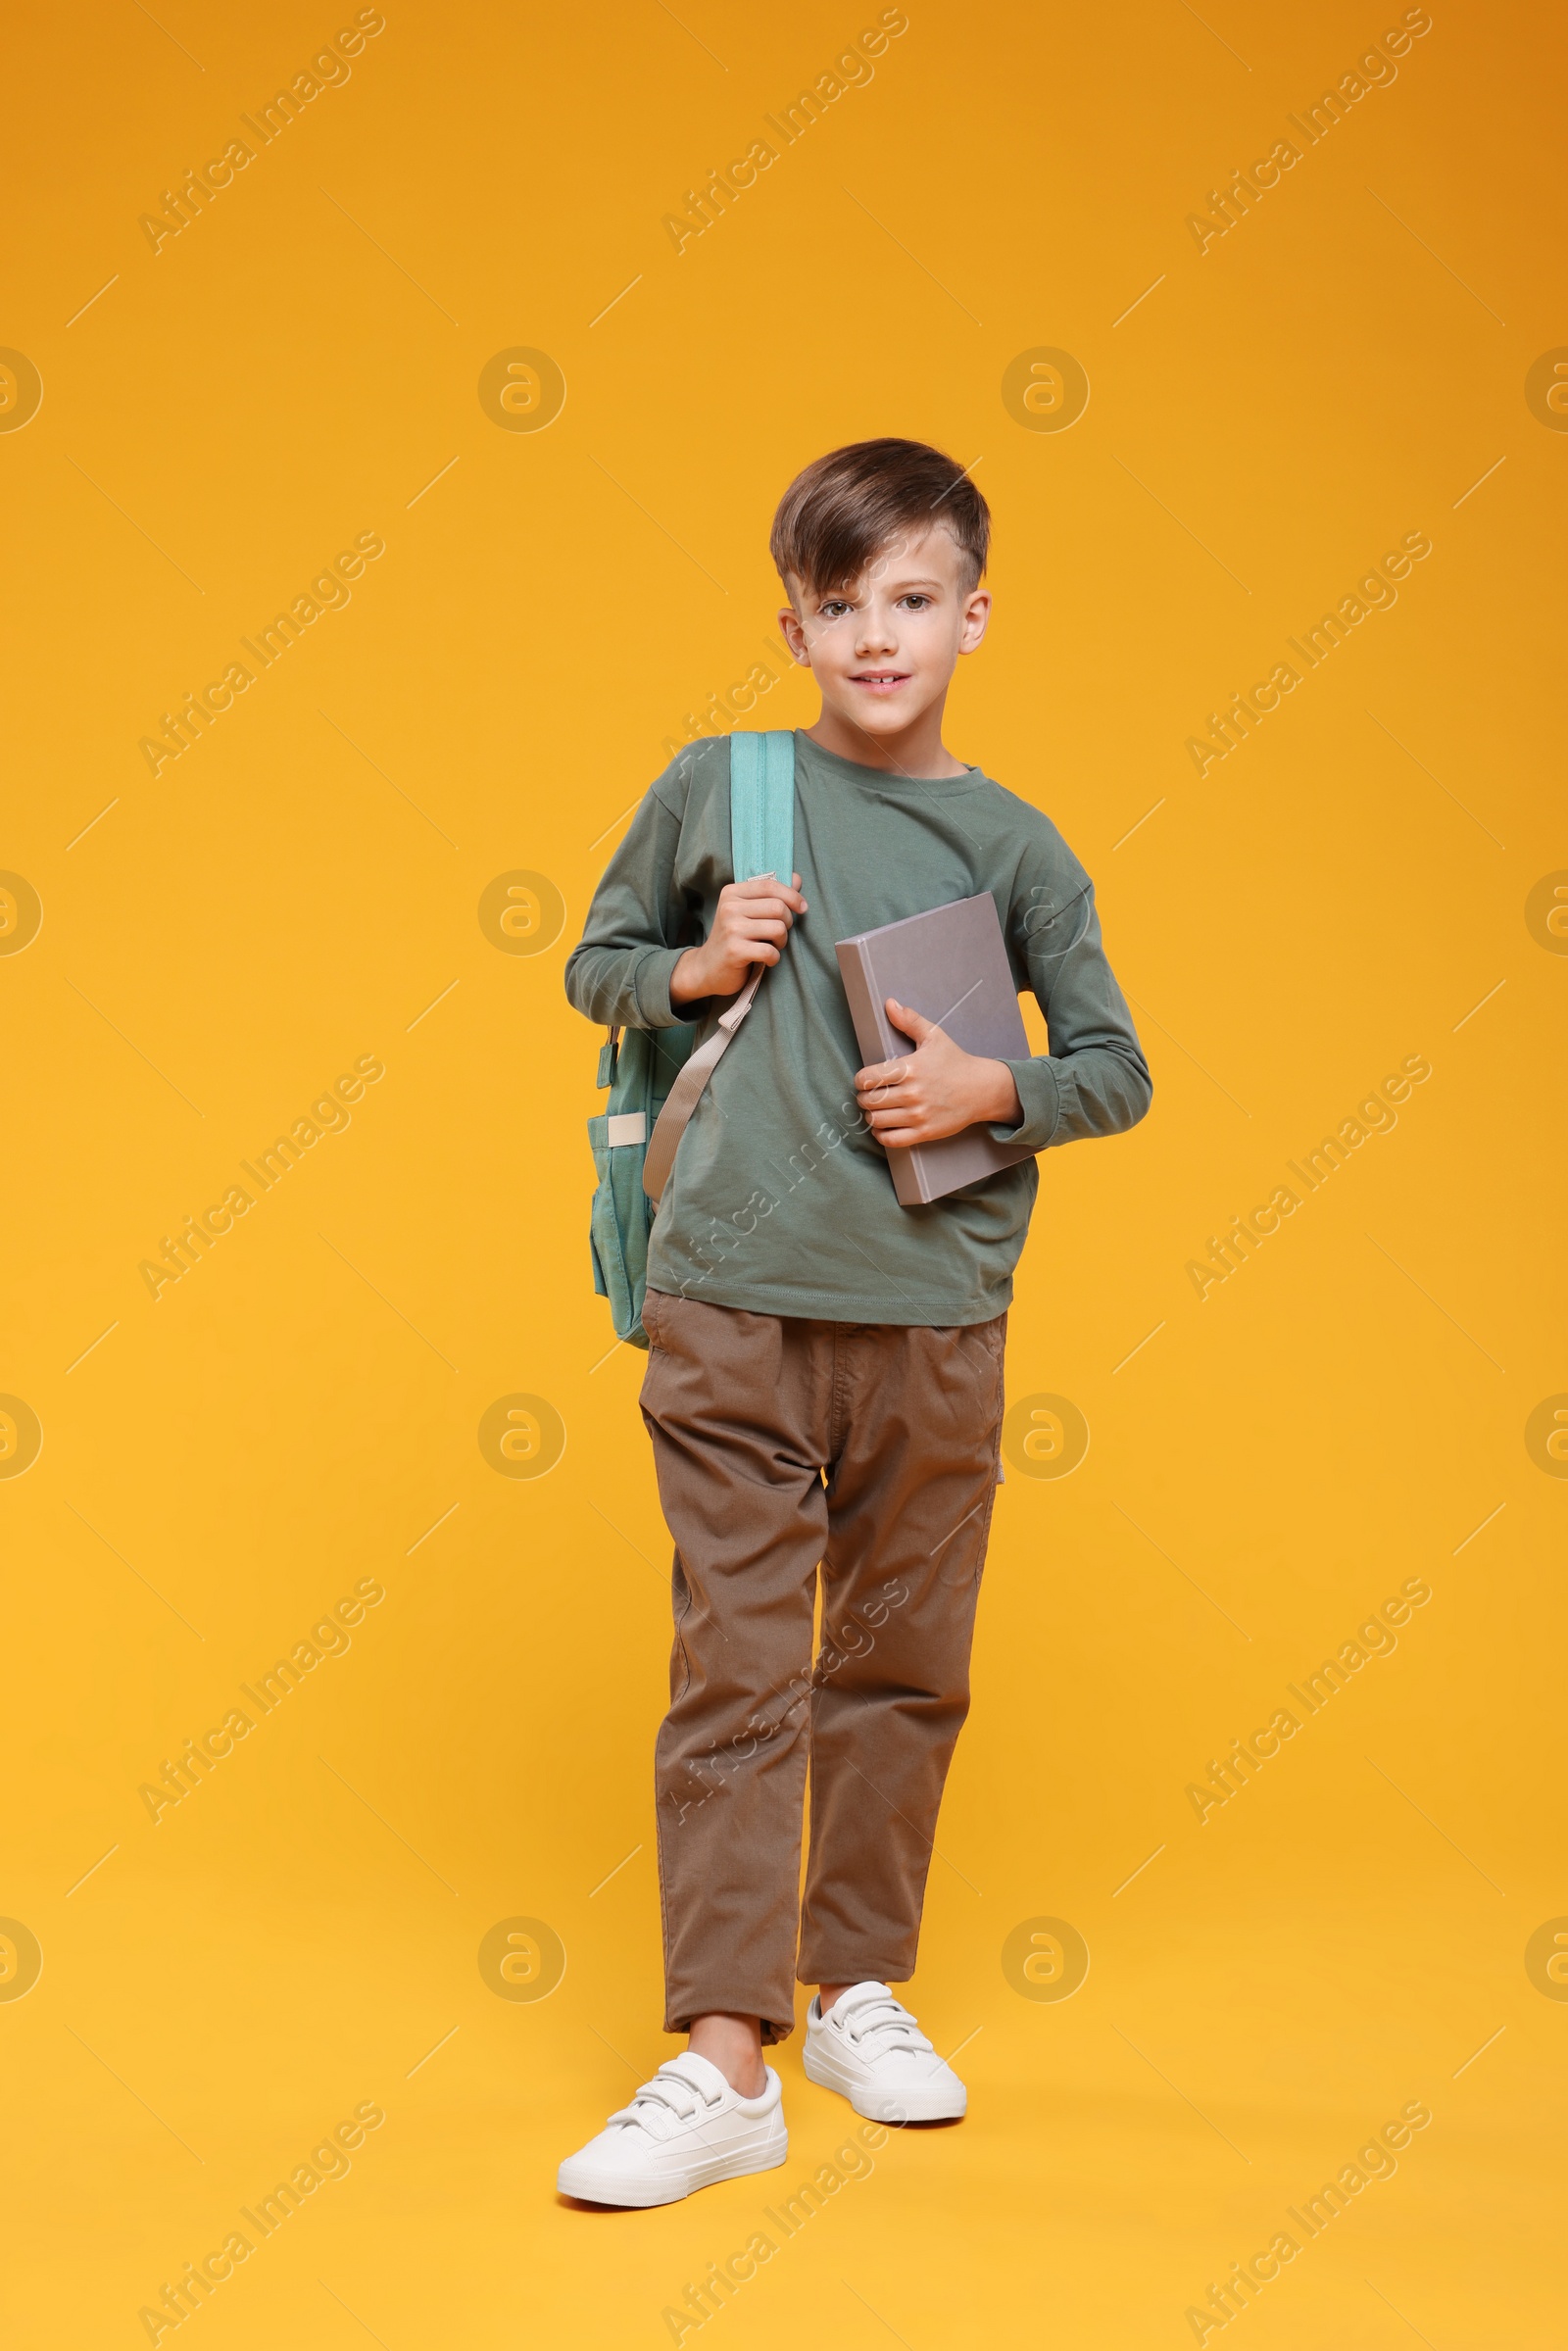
870	2049
684	2129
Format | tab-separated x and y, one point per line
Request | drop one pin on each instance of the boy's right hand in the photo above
753	921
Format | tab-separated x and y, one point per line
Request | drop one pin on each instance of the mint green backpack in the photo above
656	1076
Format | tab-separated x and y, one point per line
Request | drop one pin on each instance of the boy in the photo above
824	1380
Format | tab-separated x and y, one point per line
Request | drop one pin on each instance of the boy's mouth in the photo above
879	681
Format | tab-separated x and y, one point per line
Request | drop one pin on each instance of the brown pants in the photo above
748	1413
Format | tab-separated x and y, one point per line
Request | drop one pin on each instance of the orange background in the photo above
300	889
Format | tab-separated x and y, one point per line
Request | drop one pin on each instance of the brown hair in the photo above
850	505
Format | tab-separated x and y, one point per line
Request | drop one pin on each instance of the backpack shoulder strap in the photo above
762	819
761	805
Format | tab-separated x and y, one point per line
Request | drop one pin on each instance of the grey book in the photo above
952	965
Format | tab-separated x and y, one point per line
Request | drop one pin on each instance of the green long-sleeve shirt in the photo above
781	1201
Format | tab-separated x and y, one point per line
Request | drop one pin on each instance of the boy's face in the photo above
884	649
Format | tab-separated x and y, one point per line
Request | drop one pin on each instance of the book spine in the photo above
875	1038
871	1031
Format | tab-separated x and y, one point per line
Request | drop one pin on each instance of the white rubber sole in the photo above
590	2183
936	2104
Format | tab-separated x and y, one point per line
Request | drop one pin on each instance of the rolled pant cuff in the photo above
862	1967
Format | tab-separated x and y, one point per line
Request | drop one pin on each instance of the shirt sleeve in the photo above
1094	1079
638	929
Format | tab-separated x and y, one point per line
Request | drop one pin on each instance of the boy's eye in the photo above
916	603
833	610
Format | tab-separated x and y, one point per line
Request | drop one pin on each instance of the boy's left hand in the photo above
937	1090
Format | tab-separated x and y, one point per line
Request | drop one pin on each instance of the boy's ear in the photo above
794	635
976	614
